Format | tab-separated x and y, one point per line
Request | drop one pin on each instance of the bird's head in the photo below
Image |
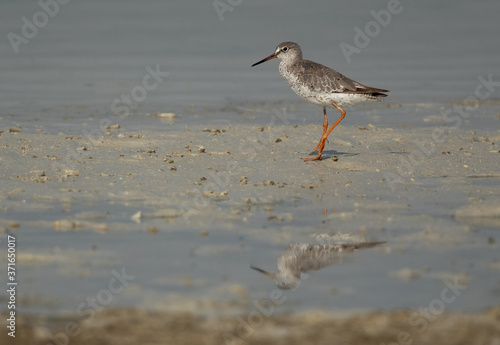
285	51
281	281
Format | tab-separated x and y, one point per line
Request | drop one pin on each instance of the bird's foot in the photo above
317	158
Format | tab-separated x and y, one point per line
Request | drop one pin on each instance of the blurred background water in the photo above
91	52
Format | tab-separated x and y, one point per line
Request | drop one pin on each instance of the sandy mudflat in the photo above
430	192
132	326
206	175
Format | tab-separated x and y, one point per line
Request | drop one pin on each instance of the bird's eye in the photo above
285	49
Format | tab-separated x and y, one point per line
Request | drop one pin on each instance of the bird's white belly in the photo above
325	99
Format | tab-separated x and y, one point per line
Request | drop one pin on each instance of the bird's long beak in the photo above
272	56
271	275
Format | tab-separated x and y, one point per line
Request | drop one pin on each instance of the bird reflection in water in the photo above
304	257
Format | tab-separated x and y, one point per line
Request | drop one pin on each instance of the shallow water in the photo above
66	78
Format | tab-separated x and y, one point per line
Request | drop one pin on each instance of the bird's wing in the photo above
301	258
351	247
321	78
318	256
312	257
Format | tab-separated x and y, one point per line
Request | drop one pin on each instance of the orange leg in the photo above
325	127
324	137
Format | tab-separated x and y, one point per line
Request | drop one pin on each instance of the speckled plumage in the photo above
320	85
301	258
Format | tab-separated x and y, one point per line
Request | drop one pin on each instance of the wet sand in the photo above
247	178
211	174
